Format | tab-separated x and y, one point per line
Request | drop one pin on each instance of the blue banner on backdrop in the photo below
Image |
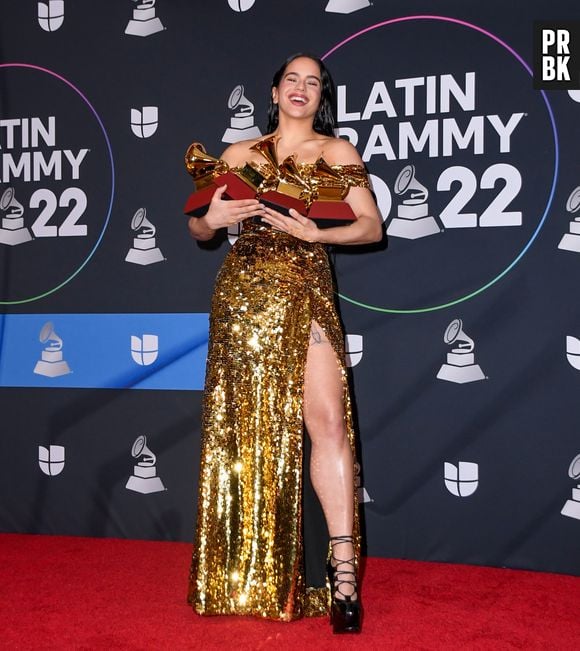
111	351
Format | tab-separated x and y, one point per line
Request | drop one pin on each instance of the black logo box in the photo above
549	35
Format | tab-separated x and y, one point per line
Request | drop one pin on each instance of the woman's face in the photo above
300	88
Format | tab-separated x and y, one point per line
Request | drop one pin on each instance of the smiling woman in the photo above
275	365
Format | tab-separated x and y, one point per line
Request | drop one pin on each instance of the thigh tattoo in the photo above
316	336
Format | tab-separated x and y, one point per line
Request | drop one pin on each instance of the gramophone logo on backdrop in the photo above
51	460
363	496
242	125
12	231
353	349
571	240
413	219
346	6
463	157
144	122
51	362
144	21
144	250
571	508
461	480
145	349
234	231
144	478
241	5
51	15
460	366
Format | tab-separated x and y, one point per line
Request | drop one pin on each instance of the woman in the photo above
276	363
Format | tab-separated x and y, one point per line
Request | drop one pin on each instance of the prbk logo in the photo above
557	55
144	21
144	478
56	181
462	479
51	460
571	508
346	6
466	174
571	240
51	362
144	250
460	366
242	125
353	349
144	122
145	349
241	5
51	15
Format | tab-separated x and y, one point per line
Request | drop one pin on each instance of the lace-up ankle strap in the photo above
343	576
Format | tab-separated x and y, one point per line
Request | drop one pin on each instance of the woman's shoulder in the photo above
338	151
237	153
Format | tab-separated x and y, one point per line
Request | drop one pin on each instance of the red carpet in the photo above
79	593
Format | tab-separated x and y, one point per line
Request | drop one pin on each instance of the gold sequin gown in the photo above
248	551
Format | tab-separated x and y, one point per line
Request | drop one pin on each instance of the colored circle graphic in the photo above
552	174
107	202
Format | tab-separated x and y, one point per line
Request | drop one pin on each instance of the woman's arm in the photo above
221	212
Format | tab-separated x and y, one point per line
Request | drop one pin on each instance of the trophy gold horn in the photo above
330	184
267	147
202	166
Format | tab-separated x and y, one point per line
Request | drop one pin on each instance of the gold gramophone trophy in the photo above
203	168
292	191
209	173
329	208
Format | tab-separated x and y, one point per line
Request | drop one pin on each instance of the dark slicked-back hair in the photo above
324	120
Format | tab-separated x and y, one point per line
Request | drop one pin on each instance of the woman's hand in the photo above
222	213
296	224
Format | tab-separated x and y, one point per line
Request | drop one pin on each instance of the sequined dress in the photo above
248	550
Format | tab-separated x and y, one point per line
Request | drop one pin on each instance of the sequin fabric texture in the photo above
248	551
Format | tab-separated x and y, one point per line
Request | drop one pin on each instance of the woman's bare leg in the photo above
331	460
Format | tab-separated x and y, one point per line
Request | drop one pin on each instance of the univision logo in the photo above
144	121
51	15
573	352
353	345
461	480
51	459
144	349
241	5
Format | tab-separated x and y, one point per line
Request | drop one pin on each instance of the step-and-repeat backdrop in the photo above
462	327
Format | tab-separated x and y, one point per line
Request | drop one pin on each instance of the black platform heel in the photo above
345	612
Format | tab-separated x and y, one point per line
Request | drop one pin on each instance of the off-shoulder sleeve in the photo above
355	175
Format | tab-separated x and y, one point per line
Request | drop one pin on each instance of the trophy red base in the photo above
237	187
282	202
198	201
327	214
